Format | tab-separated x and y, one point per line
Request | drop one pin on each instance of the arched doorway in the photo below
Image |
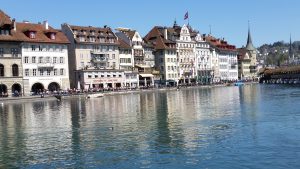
37	88
16	89
3	90
53	87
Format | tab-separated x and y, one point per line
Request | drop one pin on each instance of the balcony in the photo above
45	65
99	58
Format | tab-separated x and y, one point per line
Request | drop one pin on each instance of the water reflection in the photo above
175	129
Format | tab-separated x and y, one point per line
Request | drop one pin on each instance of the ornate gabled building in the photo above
142	54
133	39
11	82
94	57
127	64
165	55
247	60
185	44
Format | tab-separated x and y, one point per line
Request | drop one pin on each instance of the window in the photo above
1	51
26	59
26	72
52	36
113	56
33	47
48	72
96	76
41	72
89	76
61	71
61	60
33	59
54	59
40	48
15	70
33	72
40	59
4	32
14	52
55	72
48	59
1	70
32	35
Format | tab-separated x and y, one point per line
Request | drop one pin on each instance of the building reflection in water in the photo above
113	129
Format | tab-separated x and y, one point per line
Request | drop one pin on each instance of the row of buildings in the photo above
37	57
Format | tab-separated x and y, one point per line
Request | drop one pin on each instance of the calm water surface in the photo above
255	126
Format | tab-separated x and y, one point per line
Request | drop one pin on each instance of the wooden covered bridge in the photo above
281	75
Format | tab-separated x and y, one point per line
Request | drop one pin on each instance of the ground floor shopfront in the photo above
11	87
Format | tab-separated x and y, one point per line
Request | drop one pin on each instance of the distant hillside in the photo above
278	52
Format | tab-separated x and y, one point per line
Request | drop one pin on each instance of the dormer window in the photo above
92	39
4	32
32	35
81	38
52	36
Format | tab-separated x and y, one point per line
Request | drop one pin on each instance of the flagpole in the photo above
188	20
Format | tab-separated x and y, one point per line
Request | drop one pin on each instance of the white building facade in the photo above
204	61
93	49
44	58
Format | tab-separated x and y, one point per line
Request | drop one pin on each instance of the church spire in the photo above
249	45
175	23
291	56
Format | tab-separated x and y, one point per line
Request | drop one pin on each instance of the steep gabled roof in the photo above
249	45
156	38
4	19
123	44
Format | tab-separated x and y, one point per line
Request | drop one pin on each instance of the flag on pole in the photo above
186	16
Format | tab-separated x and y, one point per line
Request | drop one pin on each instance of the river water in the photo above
253	126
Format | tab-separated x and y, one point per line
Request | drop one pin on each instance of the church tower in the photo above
291	54
252	52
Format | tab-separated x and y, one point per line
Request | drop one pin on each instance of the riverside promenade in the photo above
47	97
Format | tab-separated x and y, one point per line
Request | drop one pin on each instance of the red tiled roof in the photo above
123	44
96	32
41	34
156	38
129	33
4	19
19	34
220	44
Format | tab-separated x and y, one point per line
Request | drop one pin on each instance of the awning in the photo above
146	75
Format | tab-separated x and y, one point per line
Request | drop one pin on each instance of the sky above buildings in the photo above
270	20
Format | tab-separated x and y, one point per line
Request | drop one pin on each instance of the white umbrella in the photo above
91	85
78	85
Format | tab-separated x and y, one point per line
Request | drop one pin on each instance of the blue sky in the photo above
270	20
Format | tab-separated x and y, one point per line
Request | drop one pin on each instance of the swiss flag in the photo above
186	16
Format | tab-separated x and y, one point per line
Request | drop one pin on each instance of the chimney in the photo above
46	25
165	33
14	24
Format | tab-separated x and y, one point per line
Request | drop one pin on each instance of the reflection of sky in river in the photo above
225	127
